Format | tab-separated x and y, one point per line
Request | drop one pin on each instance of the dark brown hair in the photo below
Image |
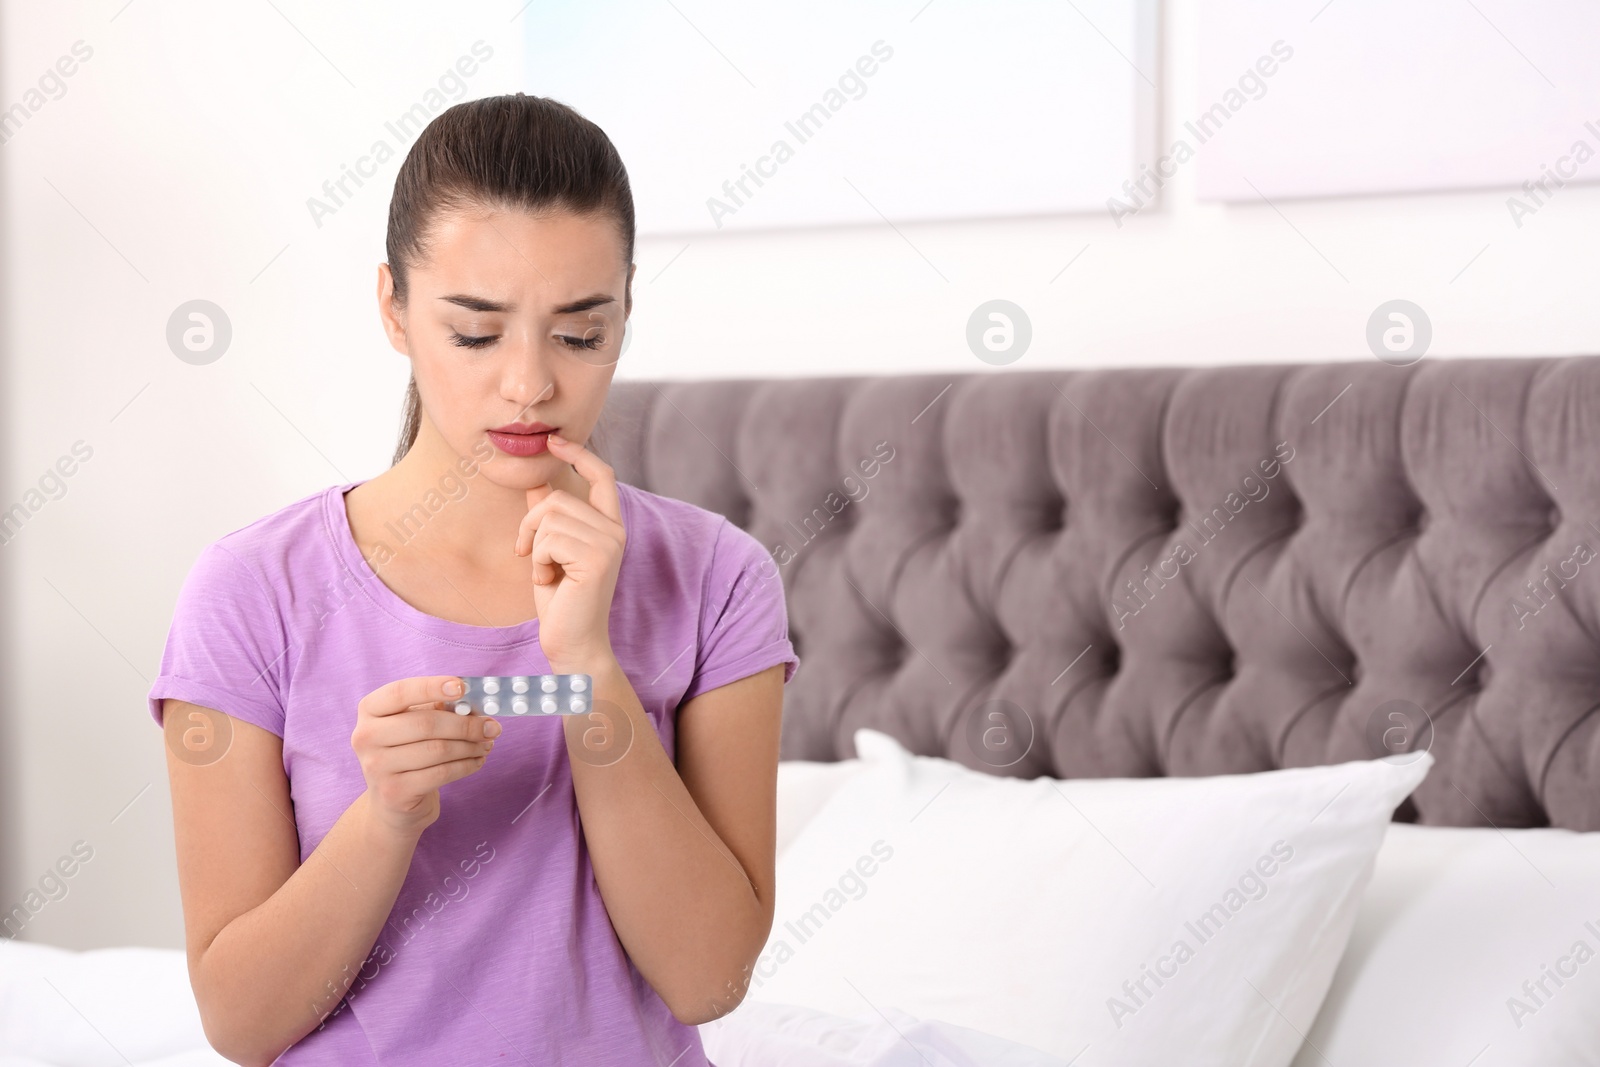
502	152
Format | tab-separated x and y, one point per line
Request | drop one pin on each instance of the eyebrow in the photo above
478	303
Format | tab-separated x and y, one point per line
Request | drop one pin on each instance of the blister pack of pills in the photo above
526	694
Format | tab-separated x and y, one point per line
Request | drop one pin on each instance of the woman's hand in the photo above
576	549
409	746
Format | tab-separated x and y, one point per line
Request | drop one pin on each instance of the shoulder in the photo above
261	556
664	529
671	536
653	513
659	524
230	643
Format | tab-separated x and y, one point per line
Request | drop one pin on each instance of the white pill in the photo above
491	706
519	705
463	708
548	705
577	703
548	683
519	685
577	683
491	685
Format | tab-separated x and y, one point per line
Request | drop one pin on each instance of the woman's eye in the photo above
469	342
579	342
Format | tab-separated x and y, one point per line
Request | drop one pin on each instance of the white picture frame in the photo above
836	113
1382	97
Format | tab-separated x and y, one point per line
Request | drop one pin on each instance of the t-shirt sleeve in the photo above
744	619
226	648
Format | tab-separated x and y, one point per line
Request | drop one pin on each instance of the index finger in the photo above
402	694
596	471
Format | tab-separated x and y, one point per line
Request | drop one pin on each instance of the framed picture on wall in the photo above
1369	96
836	112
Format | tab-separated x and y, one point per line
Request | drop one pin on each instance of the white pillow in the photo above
803	788
1035	909
1453	923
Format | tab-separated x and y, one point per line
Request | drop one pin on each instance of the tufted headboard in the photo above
1176	571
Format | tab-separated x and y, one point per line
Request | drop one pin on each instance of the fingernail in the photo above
558	439
454	688
491	729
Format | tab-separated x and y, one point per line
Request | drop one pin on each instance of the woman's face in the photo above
512	319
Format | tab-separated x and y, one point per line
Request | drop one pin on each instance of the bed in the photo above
1347	604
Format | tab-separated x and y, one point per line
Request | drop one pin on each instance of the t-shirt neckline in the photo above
337	522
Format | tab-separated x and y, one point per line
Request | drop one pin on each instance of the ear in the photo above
393	322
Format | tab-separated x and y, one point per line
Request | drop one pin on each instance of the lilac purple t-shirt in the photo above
499	949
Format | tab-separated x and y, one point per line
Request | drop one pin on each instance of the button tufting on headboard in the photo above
1229	666
1245	540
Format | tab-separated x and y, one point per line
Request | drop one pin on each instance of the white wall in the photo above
177	165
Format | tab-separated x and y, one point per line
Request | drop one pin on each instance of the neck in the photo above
469	518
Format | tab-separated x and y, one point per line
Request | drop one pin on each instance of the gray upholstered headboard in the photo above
1176	571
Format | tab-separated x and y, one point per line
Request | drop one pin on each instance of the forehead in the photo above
501	253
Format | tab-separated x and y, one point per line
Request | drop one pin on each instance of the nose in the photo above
526	379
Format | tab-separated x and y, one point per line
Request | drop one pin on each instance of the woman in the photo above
369	878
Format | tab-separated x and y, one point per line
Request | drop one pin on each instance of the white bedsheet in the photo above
201	1057
121	1006
784	1035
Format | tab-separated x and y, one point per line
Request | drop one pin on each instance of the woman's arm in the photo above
684	855
274	944
266	934
683	860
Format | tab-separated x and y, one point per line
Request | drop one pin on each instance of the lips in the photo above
522	439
